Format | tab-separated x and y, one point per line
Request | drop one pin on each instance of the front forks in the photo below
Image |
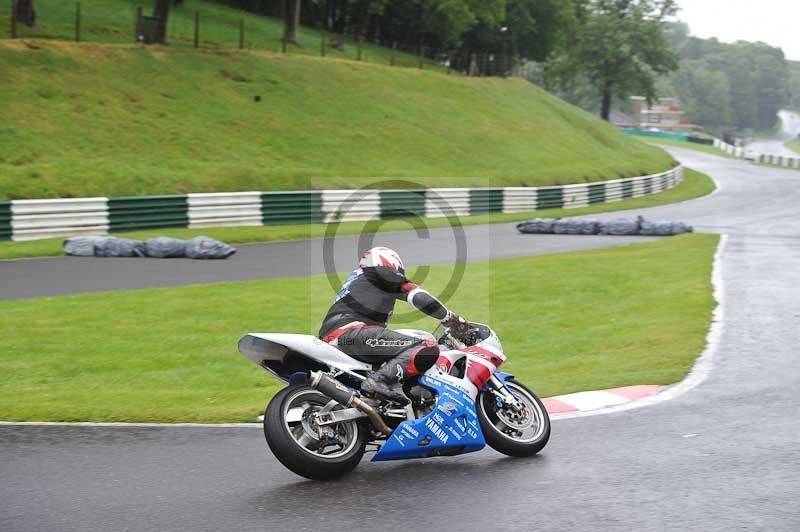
502	392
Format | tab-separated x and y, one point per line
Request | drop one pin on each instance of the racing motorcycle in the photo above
320	426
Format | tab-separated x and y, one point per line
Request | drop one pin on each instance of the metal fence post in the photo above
241	34
420	55
77	22
322	44
13	19
197	29
137	27
391	57
358	45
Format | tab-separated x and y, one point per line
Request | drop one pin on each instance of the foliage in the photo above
725	86
168	354
619	47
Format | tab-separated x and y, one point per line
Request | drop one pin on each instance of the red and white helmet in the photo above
381	256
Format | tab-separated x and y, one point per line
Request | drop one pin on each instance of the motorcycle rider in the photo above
356	323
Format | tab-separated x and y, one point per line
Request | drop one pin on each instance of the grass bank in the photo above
112	21
574	321
694	185
115	120
793	145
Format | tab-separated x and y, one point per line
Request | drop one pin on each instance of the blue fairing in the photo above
451	428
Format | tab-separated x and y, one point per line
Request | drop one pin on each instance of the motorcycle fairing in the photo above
284	354
451	428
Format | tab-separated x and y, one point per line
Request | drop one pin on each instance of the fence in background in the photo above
763	158
36	219
223	27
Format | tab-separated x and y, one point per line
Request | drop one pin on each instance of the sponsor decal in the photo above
448	408
437	430
454	433
409	431
399	439
438	417
461	424
472	434
453	399
382	342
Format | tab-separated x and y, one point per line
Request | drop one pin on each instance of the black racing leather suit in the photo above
356	322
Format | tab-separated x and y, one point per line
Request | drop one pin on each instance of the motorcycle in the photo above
319	426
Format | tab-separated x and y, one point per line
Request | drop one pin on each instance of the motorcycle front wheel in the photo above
522	432
302	446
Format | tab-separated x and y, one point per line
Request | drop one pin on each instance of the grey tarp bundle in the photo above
619	226
664	228
203	247
200	247
576	226
164	247
622	226
537	225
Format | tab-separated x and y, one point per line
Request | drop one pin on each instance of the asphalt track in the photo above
790	128
721	457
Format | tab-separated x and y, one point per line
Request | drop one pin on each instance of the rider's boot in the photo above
387	382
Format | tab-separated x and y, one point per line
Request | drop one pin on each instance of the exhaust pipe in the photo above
347	398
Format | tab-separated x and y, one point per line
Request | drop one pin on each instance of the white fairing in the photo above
269	350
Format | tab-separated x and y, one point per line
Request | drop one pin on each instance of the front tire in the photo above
294	440
510	432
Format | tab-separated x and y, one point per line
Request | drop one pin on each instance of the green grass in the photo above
690	146
112	21
694	185
636	314
793	145
115	120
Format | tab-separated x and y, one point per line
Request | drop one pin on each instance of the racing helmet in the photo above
380	256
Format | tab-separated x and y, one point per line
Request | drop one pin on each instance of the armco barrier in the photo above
33	219
5	220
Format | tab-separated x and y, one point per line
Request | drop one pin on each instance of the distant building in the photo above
664	114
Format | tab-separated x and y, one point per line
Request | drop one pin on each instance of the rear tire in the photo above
293	440
514	433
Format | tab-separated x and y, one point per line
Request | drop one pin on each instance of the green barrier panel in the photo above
549	198
485	200
280	208
658	134
402	203
627	189
597	193
147	212
5	220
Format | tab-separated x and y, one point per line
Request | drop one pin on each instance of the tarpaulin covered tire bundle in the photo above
200	247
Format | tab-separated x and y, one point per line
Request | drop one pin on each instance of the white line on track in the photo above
700	371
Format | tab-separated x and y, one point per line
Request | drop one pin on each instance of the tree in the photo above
25	13
161	12
291	20
705	95
619	46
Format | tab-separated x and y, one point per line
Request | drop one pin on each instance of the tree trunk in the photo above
291	20
24	12
161	10
605	109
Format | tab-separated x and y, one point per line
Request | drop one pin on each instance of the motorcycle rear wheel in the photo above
293	437
513	433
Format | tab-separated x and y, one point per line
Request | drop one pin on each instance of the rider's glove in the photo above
457	325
